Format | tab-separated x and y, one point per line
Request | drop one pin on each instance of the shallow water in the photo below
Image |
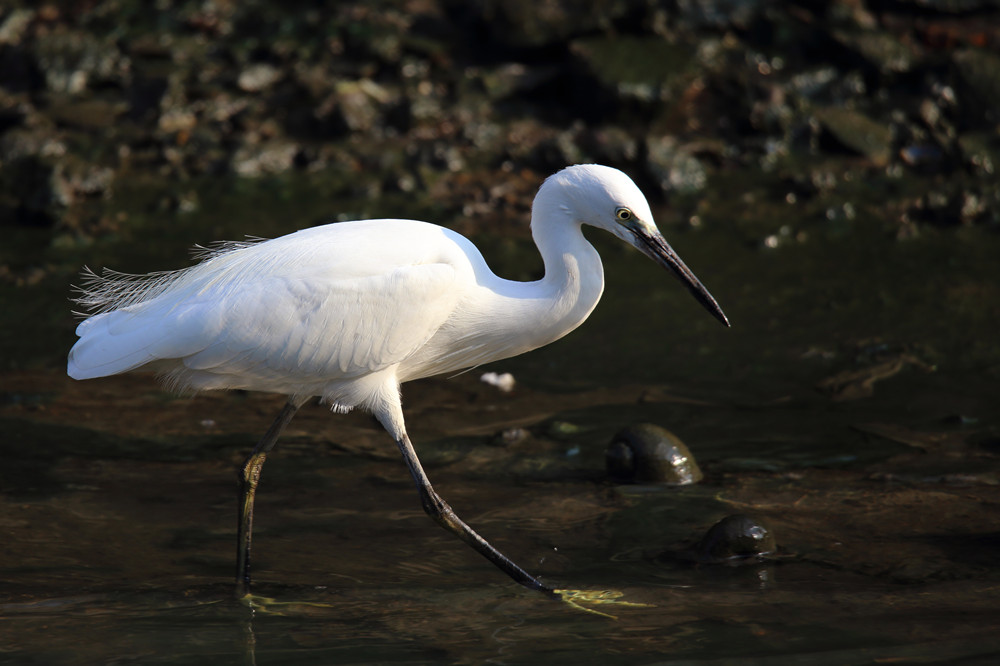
852	406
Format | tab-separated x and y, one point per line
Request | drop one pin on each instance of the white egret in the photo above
348	311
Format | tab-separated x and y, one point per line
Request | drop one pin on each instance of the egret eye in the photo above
623	214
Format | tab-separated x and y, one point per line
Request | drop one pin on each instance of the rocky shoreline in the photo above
434	98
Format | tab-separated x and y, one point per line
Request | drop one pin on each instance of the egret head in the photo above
606	198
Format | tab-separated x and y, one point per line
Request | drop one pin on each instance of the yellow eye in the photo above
623	214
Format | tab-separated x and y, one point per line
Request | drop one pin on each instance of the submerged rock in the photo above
647	453
734	538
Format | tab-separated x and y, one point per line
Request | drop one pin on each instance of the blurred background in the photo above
827	169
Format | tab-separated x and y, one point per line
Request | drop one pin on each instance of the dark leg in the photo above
249	476
443	515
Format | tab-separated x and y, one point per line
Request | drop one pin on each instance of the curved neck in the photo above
574	277
561	243
504	318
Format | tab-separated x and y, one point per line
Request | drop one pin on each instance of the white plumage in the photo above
348	311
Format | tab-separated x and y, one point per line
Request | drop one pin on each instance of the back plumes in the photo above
115	337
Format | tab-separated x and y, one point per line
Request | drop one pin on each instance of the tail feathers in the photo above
97	358
116	342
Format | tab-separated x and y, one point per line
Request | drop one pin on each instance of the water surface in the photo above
852	406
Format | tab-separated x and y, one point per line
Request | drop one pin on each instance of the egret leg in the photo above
446	517
249	476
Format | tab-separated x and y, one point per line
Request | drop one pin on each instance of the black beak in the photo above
655	246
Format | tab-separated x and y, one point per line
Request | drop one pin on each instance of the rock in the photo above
736	537
980	71
651	454
675	169
40	189
74	61
268	158
881	49
258	77
858	133
524	24
15	26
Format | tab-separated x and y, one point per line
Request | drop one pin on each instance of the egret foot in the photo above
271	606
577	598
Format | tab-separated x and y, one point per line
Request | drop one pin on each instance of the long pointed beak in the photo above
655	246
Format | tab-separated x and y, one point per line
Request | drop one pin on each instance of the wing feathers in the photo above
303	308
